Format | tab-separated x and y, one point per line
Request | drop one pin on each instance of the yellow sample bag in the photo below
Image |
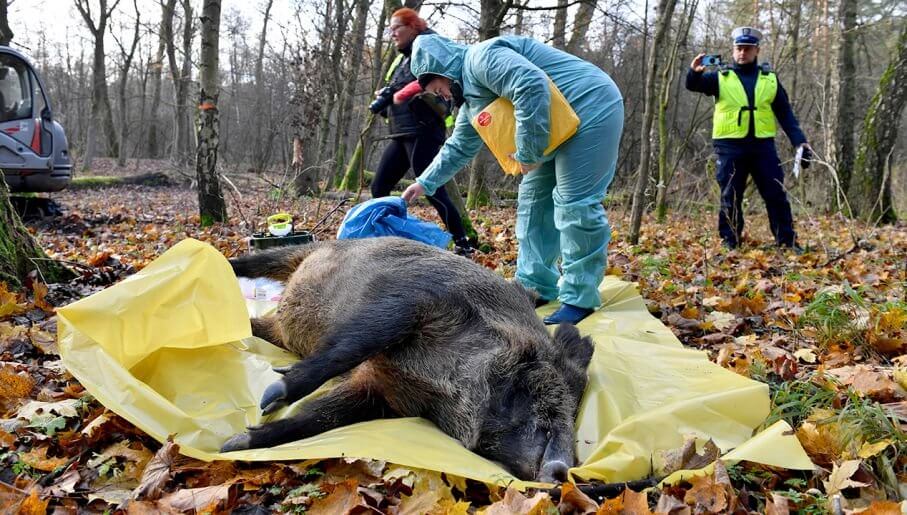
171	350
496	124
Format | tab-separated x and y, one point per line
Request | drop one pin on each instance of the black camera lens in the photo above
384	99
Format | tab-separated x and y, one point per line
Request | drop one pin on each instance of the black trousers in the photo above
417	153
760	161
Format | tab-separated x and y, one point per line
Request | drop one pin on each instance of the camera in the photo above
711	60
385	98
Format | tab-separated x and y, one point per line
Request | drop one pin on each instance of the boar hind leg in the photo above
267	329
341	349
345	405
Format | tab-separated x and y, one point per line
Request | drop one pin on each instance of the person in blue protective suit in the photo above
748	99
559	211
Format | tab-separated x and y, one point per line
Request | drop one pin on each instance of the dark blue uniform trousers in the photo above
743	159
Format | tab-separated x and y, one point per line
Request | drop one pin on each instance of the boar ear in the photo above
576	349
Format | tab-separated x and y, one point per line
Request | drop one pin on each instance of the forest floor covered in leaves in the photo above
827	330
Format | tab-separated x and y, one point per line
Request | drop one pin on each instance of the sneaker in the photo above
567	314
729	245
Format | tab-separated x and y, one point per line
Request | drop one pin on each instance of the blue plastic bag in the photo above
386	216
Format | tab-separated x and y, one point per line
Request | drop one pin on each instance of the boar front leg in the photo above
346	404
343	347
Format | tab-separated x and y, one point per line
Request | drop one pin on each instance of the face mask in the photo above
456	91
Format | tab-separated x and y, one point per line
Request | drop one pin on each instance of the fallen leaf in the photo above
868	450
805	355
721	320
38	460
885	508
342	499
670	505
66	483
573	500
157	472
205	499
686	458
32	505
516	502
839	479
777	505
635	503
65	408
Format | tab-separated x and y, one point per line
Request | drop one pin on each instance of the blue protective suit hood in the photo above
437	55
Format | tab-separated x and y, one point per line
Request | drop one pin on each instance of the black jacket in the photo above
707	82
412	117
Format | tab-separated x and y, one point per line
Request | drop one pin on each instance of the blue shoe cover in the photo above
569	314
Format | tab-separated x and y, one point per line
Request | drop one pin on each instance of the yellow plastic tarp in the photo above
170	349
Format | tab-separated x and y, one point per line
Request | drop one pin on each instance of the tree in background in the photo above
870	187
101	112
211	206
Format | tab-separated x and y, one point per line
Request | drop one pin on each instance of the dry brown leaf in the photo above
451	507
157	472
516	502
613	506
40	290
707	494
839	479
66	483
875	384
38	460
824	443
205	499
686	458
635	503
573	500
670	505
344	497
8	302
777	505
885	508
32	505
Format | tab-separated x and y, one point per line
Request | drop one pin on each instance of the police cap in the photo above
746	36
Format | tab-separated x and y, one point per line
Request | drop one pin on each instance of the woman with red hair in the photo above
417	125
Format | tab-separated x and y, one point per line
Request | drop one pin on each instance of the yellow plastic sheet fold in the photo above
170	349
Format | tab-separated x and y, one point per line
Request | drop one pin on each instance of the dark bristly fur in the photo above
416	331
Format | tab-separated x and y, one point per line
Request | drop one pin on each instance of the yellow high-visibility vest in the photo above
733	110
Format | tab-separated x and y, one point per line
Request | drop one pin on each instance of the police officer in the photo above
748	99
417	124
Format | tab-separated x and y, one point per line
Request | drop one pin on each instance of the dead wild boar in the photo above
416	331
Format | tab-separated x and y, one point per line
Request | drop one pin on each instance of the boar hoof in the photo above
283	370
553	472
237	442
274	397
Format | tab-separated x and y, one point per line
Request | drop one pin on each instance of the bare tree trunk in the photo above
124	78
559	36
581	25
846	112
211	204
870	188
662	23
100	100
667	78
261	151
180	75
346	97
6	34
156	68
333	91
19	253
490	19
795	49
